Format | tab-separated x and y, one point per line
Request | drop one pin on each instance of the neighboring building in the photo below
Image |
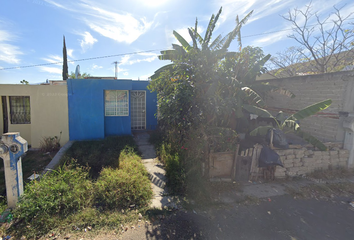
36	111
80	109
104	107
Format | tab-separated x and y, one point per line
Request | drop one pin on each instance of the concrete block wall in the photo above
298	162
328	125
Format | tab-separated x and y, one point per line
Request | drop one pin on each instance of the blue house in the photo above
105	107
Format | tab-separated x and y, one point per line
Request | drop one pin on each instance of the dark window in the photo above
20	110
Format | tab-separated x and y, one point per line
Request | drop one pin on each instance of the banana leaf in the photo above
258	111
291	124
161	69
260	131
312	140
312	109
184	43
253	96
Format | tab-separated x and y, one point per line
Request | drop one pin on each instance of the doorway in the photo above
5	114
138	110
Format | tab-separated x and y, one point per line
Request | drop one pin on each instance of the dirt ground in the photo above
281	217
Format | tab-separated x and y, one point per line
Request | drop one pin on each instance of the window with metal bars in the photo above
20	110
116	103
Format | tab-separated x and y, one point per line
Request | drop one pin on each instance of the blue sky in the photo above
31	32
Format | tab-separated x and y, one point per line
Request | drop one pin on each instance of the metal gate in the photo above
138	110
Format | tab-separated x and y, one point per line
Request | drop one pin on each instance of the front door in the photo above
138	110
4	114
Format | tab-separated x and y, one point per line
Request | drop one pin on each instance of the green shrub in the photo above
49	144
174	168
131	163
57	194
100	153
120	188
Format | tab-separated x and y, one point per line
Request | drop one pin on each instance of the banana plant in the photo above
292	122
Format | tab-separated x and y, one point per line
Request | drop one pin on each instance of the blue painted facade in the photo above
86	102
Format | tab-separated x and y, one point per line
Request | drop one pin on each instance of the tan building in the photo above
36	111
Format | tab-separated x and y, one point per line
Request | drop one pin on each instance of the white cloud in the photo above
8	53
70	51
323	9
270	39
51	69
58	60
125	73
260	8
87	41
119	26
126	60
57	4
94	66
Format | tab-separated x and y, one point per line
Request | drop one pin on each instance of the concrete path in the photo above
57	157
156	172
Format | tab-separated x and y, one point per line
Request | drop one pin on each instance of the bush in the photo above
49	144
57	195
174	168
100	153
126	186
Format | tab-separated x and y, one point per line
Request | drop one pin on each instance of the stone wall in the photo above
298	162
327	125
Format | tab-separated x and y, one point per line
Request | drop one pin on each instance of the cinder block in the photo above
344	155
334	159
290	157
343	151
326	158
343	159
308	164
333	153
288	165
317	153
325	153
342	164
280	152
280	169
289	152
324	166
299	151
297	160
308	153
298	164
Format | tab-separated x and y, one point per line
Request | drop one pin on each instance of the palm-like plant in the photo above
291	122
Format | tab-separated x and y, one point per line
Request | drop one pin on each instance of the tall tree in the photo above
65	61
188	89
288	63
328	41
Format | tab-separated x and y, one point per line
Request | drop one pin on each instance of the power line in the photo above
133	53
80	60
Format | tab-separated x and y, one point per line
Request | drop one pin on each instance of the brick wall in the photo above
298	162
326	126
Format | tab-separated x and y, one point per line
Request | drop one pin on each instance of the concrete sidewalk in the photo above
156	172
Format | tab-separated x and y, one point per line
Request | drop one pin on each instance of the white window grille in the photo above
116	103
20	110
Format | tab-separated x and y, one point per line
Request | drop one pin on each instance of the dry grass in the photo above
332	173
323	191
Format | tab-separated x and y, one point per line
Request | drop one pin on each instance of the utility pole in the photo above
116	69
